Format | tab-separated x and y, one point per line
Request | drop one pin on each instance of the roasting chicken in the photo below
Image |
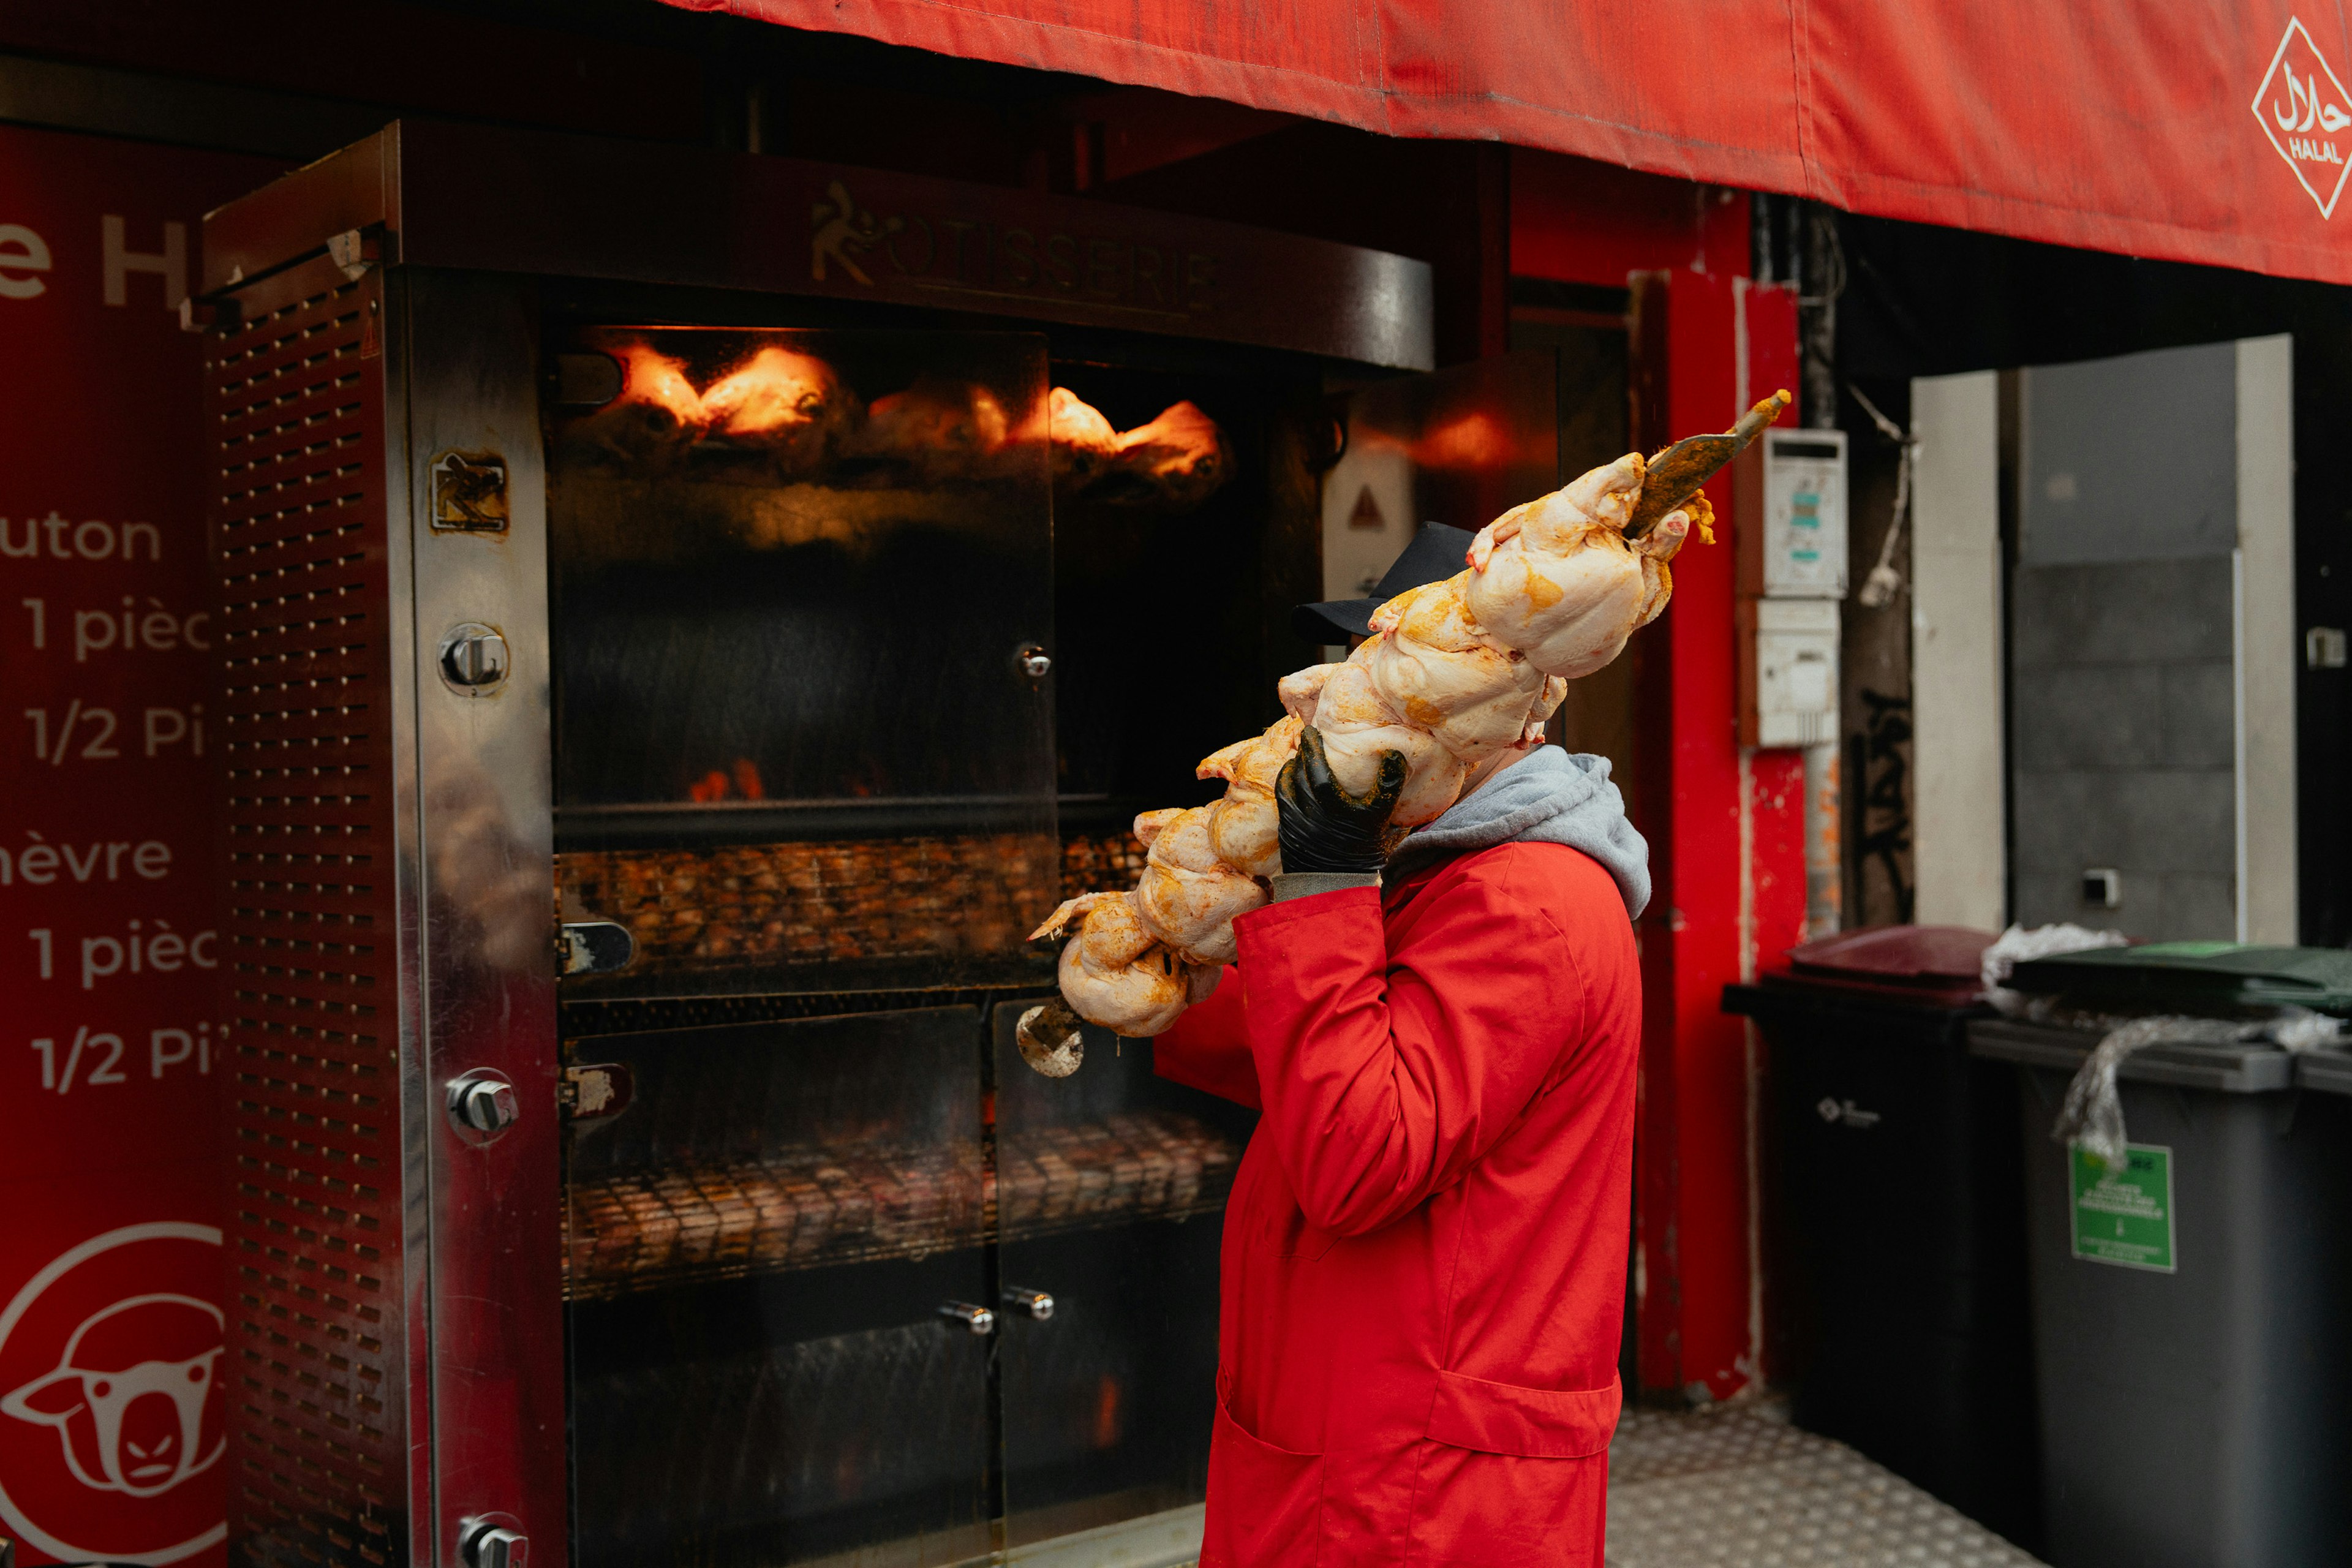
1453	673
796	414
1172	464
1084	441
656	413
789	404
940	430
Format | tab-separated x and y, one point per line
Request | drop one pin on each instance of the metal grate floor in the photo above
1743	1489
1722	1489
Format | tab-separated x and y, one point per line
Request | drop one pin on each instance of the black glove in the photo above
1324	829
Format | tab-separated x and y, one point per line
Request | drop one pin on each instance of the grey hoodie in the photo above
1550	797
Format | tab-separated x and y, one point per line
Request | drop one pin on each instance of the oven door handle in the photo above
594	947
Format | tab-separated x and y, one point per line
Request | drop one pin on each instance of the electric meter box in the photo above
1791	515
1788	672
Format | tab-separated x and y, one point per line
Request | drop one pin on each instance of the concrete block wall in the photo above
2123	745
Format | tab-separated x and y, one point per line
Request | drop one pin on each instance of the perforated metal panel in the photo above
296	398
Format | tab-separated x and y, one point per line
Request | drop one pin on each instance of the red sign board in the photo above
111	1351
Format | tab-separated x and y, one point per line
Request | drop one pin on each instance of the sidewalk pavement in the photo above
1741	1488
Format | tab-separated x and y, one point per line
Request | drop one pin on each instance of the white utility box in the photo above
1792	524
1788	672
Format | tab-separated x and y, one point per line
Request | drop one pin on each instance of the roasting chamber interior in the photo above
798	583
771	1253
804	754
857	672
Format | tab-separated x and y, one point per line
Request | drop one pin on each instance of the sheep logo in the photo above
113	1416
134	1399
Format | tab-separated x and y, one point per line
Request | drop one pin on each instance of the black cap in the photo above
1436	554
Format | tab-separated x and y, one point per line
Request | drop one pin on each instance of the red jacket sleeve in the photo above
1207	1048
1383	1081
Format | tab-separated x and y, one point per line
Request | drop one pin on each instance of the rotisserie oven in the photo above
686	618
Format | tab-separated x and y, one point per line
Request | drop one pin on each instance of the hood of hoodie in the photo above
1549	797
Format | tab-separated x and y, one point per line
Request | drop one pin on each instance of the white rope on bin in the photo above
2091	1114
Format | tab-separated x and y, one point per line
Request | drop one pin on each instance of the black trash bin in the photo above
2192	1356
1896	1261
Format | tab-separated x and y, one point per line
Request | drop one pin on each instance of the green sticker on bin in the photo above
2124	1216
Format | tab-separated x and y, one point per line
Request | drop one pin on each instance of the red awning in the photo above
2211	131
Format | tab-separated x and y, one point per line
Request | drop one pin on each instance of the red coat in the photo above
1425	1253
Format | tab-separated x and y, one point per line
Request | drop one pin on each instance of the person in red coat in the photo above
1424	1263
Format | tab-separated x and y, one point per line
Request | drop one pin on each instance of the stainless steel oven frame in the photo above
379	534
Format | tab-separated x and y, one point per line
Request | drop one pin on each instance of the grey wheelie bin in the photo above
2326	1072
1897	1251
2192	1346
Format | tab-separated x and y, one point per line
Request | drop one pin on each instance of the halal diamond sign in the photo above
2306	112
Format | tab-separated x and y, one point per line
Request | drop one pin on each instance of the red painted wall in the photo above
1727	832
112	1186
1576	221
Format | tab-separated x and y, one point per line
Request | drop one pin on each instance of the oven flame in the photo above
1471	440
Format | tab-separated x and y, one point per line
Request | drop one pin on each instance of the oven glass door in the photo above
1111	1187
775	1256
802	586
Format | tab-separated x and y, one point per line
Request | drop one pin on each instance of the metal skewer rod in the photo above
1675	473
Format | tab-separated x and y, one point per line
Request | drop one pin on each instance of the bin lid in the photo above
1931	966
2193	977
2238	1067
2329	1072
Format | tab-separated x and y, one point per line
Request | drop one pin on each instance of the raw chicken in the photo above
1453	673
1132	984
1242	825
1558	580
1187	897
1358	724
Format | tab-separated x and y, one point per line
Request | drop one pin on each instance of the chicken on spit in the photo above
789	405
938	430
1453	673
794	412
1172	465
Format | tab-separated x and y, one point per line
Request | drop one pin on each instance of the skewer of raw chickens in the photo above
1452	673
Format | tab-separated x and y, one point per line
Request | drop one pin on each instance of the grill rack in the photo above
813	1206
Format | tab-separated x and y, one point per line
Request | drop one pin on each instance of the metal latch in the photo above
482	1105
474	659
594	947
490	1544
1035	1305
979	1320
357	249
